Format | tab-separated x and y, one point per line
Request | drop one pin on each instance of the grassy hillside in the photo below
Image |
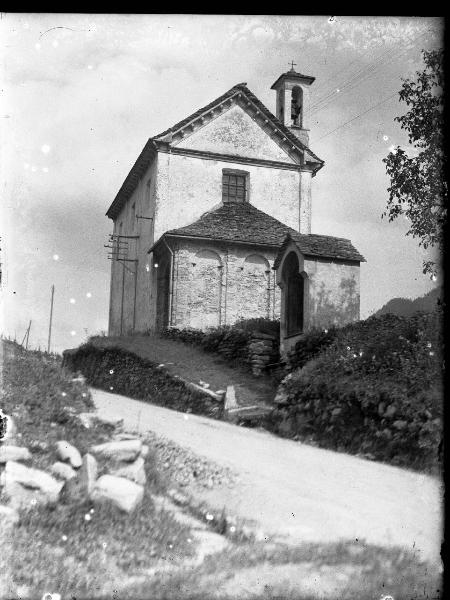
72	548
78	551
373	388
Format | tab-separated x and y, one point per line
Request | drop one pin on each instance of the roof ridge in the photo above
242	87
200	110
229	205
324	235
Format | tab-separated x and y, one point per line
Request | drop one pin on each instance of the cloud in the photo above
147	72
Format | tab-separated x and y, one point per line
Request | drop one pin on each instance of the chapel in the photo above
213	223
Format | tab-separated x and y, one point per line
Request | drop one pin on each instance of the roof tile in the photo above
244	223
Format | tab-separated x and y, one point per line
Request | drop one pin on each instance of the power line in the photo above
363	74
366	71
358	116
353	82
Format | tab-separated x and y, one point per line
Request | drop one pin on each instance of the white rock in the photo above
144	450
8	514
63	471
134	471
122	492
87	419
115	420
126	435
88	473
230	398
23	592
13	453
9	428
68	453
21	497
126	450
34	479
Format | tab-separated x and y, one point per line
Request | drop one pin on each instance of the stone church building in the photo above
213	223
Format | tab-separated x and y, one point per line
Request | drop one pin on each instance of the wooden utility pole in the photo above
51	318
26	336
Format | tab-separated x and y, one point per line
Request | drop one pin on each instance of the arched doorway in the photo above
294	295
206	289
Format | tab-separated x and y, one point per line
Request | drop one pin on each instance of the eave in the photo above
141	165
242	96
293	75
210	239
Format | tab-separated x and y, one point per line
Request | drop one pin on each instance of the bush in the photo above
117	370
231	341
376	390
259	325
310	345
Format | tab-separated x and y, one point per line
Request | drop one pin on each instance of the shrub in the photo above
377	390
231	341
259	325
310	345
120	371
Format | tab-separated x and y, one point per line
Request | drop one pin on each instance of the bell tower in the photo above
293	102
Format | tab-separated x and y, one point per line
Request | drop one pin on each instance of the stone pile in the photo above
186	468
227	348
73	477
262	350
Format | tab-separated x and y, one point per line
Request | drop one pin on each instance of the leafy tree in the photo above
418	187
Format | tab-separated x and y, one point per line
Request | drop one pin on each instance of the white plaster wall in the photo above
235	132
333	292
144	199
187	187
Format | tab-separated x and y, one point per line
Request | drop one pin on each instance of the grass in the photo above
55	549
377	572
108	555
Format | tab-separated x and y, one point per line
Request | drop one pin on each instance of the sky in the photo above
82	93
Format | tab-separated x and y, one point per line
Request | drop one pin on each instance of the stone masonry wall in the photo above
218	284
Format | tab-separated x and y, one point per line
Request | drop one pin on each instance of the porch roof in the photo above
243	223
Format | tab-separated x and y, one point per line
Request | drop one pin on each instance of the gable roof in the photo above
140	166
151	147
326	246
241	88
236	222
291	74
241	222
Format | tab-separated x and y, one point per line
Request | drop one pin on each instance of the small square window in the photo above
234	186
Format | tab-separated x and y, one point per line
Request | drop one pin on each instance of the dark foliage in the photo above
310	345
123	372
376	390
230	341
418	186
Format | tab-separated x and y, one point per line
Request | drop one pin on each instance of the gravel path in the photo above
297	492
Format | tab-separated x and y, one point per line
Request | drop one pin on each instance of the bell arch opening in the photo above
297	106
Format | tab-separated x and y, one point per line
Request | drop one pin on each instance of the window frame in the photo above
227	173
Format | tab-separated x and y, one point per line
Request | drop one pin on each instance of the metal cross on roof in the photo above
292	65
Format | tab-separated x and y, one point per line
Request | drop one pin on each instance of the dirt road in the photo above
299	492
